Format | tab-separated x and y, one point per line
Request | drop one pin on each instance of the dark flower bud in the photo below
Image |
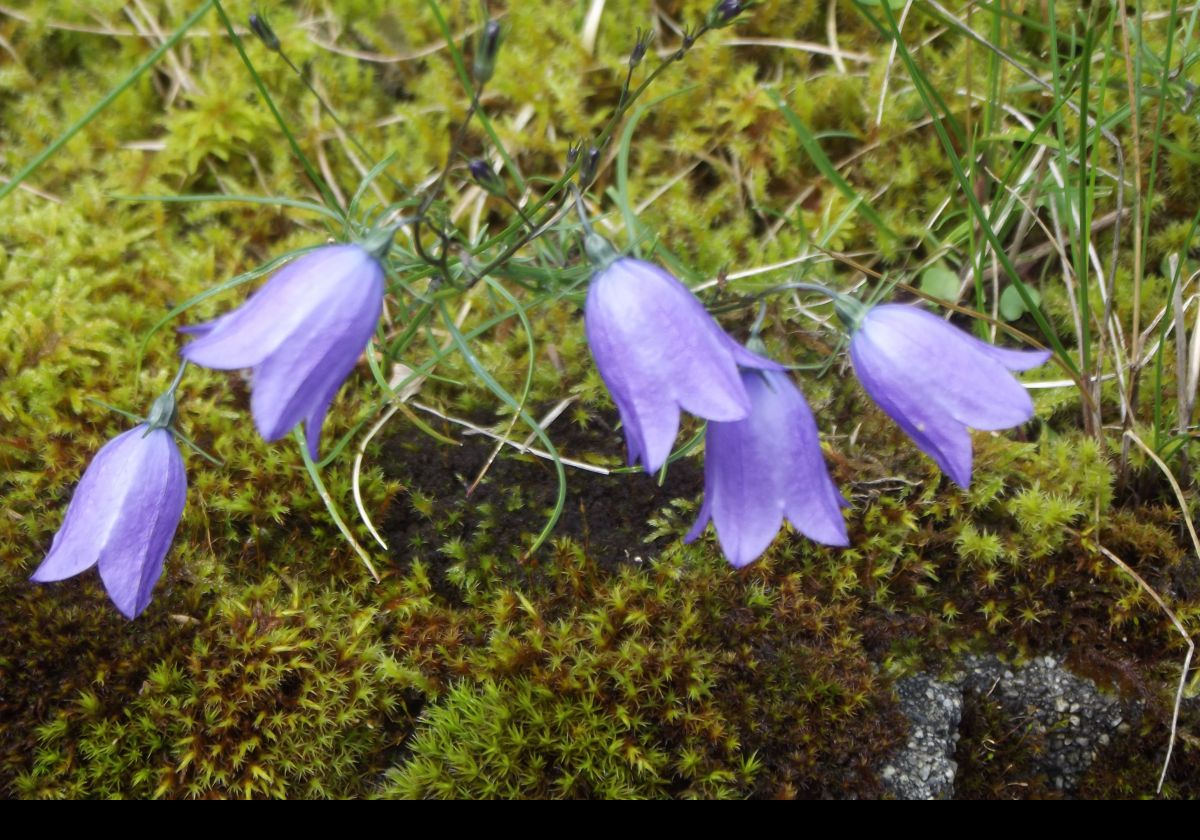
260	27
724	12
573	153
486	48
591	162
639	48
486	177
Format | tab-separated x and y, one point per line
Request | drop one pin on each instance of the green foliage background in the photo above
616	662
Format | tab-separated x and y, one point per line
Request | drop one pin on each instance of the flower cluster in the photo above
301	335
660	352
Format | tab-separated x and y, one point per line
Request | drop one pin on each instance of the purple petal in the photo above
94	509
703	517
205	327
659	351
289	304
1014	359
945	366
132	558
745	359
123	516
300	378
911	400
767	467
316	418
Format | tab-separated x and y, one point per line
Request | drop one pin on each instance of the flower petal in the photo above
703	517
658	351
946	366
765	467
290	304
746	359
299	379
1014	359
95	508
132	555
908	400
316	417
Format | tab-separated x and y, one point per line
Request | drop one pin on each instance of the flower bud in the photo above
591	163
639	48
725	11
486	177
260	27
486	47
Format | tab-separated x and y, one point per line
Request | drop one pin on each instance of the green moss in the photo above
274	698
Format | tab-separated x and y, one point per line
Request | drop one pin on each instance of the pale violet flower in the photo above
767	468
122	517
301	333
936	381
659	351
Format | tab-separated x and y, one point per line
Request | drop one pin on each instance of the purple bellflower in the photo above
659	351
765	468
122	517
301	333
936	380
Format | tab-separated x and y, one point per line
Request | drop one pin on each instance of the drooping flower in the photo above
302	334
658	351
765	468
122	517
936	380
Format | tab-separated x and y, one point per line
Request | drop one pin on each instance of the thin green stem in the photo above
314	176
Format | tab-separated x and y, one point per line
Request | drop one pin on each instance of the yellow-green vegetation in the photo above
614	661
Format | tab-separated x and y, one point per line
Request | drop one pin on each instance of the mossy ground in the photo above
616	661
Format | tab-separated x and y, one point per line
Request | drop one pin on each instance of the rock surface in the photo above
1067	713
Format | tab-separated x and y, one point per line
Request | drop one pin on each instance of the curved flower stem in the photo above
330	504
598	249
163	410
178	377
434	191
850	310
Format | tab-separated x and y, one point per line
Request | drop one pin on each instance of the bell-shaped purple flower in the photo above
302	334
765	468
122	517
936	380
658	351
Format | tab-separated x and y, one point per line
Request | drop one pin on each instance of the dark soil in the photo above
606	515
